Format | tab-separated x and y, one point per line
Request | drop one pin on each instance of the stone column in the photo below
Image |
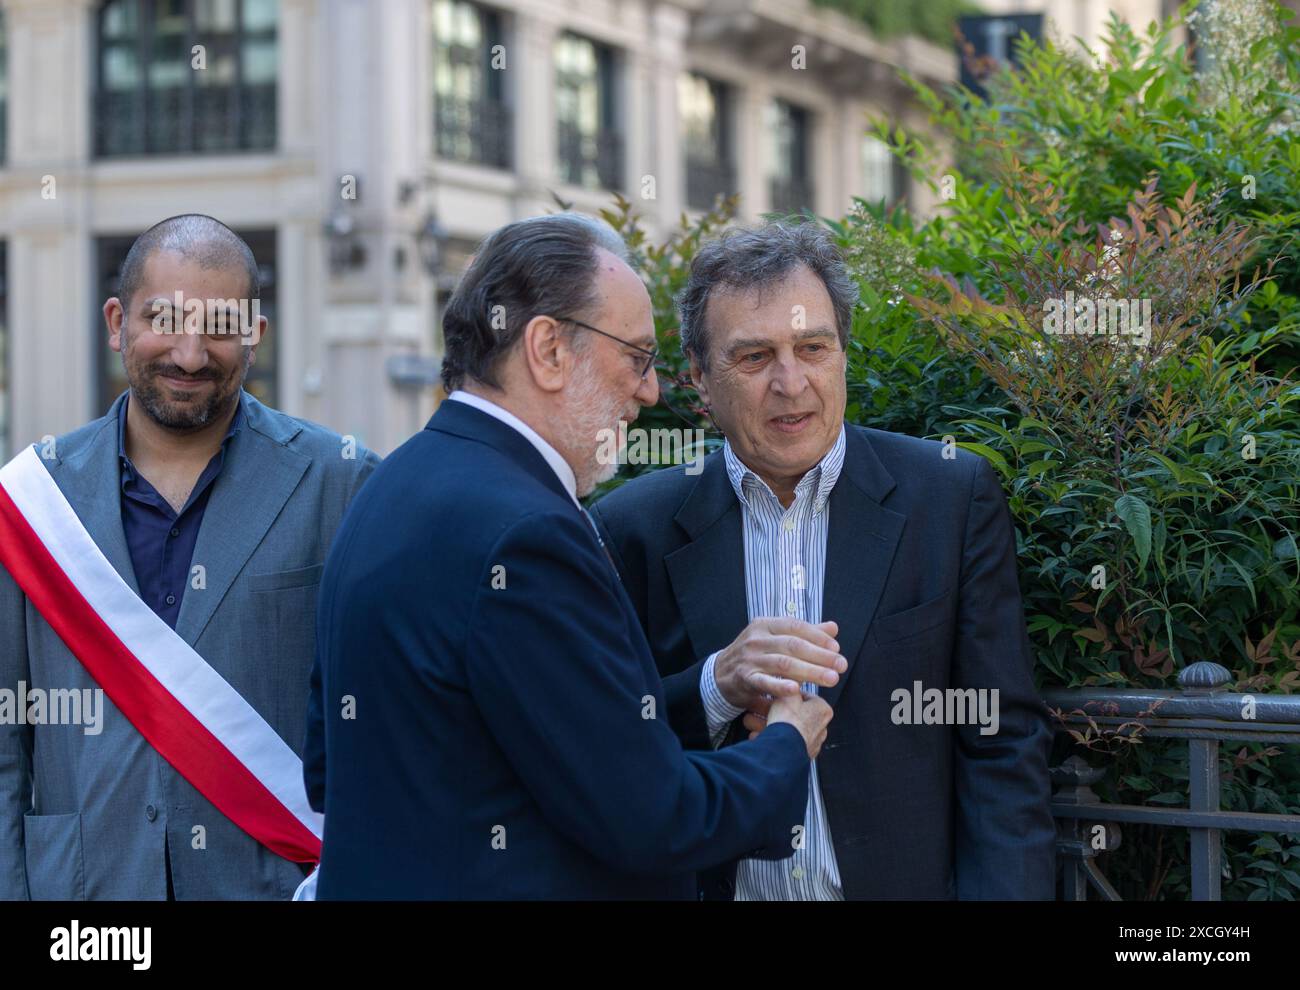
534	105
753	151
44	210
665	66
373	312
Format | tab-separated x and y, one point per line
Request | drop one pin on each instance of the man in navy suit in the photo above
486	718
933	781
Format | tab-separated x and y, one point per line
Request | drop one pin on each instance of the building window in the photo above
157	94
261	380
590	145
883	177
706	133
471	119
790	184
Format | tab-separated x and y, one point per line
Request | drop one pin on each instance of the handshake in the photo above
764	669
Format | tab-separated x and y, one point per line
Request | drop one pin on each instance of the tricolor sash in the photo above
194	719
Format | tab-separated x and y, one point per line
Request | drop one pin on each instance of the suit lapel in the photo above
91	480
860	545
708	574
259	474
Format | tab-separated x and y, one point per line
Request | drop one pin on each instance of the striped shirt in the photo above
785	565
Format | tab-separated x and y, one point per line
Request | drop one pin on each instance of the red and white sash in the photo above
197	722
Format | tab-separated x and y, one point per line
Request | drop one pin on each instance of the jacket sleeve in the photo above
1005	836
681	690
686	706
15	744
556	670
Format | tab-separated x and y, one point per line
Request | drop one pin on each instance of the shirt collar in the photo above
236	422
819	480
558	464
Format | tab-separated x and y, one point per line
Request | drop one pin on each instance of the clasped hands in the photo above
764	668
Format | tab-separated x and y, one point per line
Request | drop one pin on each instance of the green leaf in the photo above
1167	797
1136	515
1183	475
1035	447
989	454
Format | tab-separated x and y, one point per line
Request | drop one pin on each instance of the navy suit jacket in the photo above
921	578
508	735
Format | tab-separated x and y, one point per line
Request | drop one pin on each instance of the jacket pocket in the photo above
910	621
301	577
56	870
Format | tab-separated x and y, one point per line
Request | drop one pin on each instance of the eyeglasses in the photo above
650	355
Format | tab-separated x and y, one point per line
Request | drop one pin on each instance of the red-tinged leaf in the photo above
1266	644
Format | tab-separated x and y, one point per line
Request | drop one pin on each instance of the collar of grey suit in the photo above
259	474
236	422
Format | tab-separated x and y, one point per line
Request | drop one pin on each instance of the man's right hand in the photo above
771	658
807	713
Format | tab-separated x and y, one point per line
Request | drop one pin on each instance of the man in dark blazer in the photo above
486	718
906	544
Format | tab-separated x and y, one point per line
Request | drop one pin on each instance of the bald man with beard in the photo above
216	512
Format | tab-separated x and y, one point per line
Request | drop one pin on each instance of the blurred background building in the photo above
362	147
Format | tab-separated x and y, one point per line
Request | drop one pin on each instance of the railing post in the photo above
1204	677
1073	781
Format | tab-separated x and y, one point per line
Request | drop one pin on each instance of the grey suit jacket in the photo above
86	816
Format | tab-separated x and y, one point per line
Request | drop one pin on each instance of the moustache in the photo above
171	371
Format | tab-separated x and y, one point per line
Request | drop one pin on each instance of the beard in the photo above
589	410
181	412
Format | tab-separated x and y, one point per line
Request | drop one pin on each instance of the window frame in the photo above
146	134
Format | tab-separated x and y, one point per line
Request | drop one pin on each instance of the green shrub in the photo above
1099	128
1137	460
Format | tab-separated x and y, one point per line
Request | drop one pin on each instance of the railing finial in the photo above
1203	677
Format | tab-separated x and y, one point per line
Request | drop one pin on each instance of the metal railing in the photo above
1200	712
590	159
706	180
185	120
474	131
790	195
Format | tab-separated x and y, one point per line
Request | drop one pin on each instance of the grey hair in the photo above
760	256
542	266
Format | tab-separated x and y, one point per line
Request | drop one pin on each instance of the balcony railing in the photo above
201	120
588	159
791	195
1203	714
473	131
706	180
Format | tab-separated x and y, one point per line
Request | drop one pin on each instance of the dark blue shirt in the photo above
159	539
